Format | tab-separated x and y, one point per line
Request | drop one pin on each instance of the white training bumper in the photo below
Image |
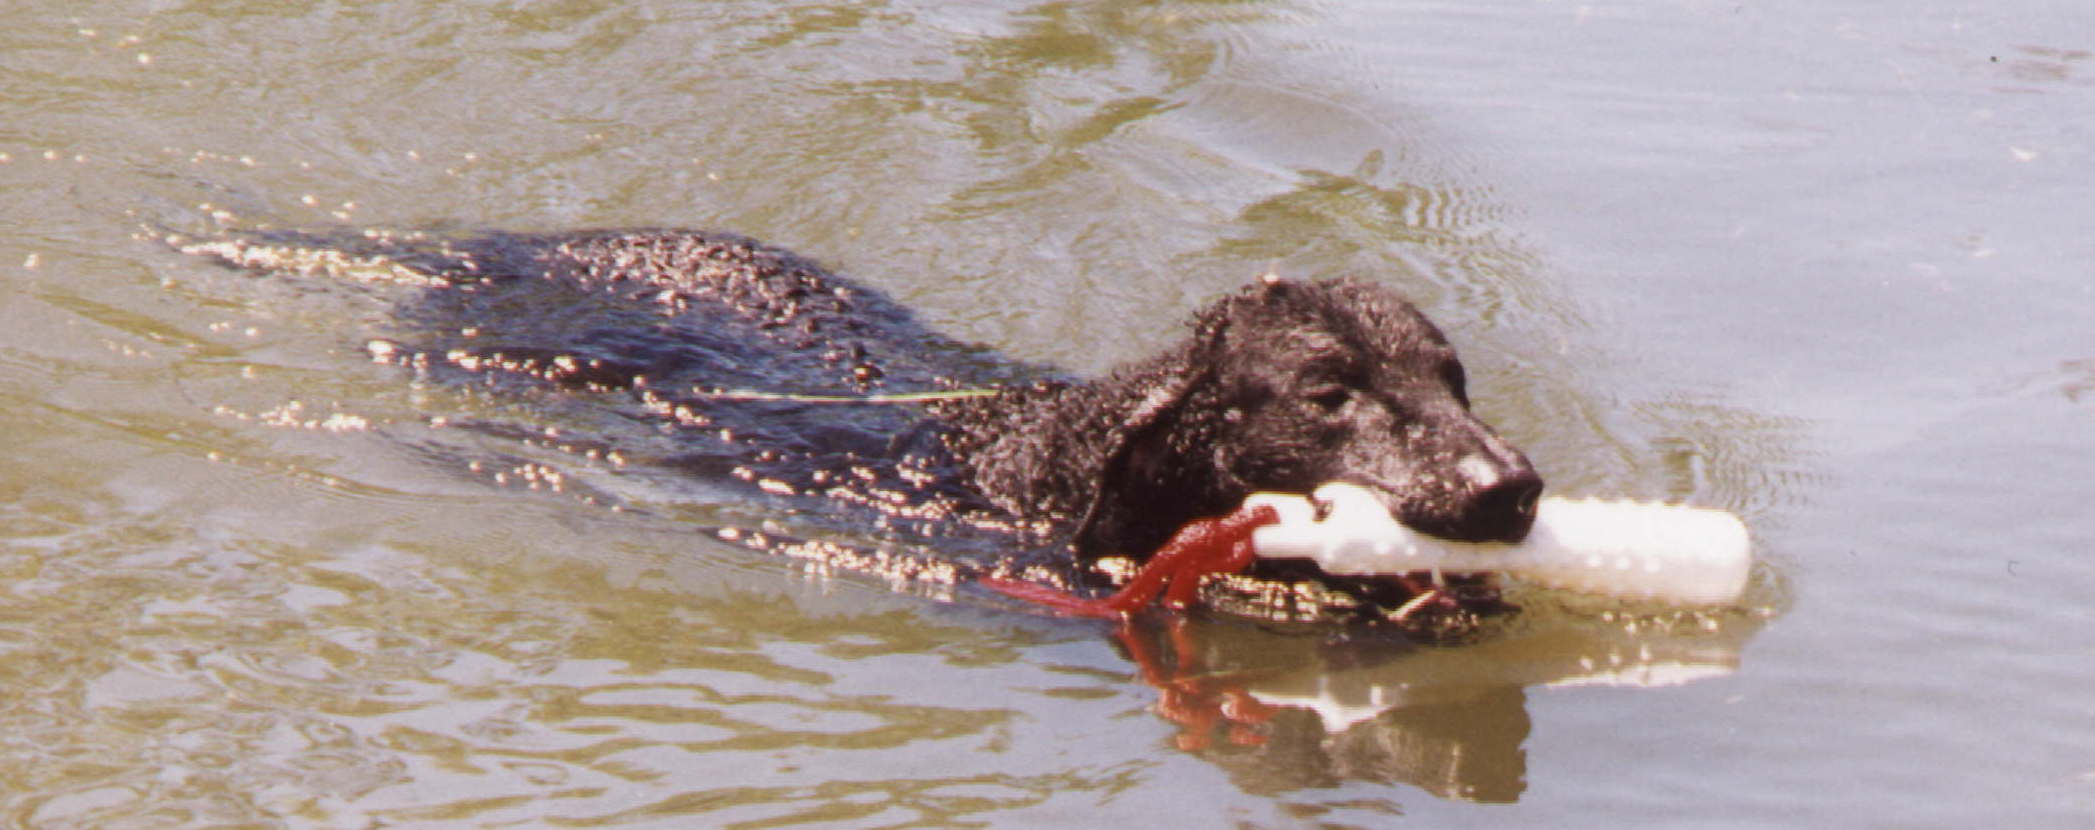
1632	550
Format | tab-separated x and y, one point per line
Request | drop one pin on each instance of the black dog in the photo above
1282	386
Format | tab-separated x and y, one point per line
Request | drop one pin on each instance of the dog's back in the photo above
726	360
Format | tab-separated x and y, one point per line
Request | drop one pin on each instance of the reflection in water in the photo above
1286	711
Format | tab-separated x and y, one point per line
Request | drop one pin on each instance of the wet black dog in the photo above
1281	386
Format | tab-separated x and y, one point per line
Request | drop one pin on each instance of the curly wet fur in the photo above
1281	386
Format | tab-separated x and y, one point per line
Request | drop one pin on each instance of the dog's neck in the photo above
1047	451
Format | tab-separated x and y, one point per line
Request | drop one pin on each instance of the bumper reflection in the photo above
1288	710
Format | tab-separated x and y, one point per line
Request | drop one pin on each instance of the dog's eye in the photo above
1330	397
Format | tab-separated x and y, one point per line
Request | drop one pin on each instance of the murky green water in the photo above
1826	265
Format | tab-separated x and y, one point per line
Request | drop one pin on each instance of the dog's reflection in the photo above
1286	710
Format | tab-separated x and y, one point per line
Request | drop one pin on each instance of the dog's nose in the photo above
1498	503
1505	511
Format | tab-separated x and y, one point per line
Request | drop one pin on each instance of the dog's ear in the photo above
1131	446
1134	447
1143	427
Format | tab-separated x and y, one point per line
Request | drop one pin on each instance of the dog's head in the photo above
1289	385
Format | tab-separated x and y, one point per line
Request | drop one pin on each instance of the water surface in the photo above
1821	264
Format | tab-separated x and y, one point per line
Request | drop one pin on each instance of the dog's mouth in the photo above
1429	604
1501	509
1425	605
1434	602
